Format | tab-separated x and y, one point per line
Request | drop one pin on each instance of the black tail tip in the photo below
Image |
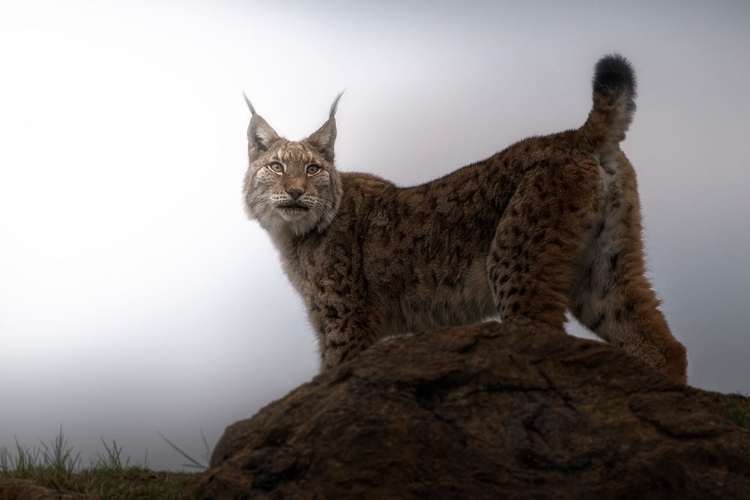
614	75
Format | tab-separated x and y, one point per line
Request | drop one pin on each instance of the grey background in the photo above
136	297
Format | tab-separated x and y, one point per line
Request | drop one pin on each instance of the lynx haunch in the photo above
547	225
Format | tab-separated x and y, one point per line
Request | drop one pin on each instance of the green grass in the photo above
55	465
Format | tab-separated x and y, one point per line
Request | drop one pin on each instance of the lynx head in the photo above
292	185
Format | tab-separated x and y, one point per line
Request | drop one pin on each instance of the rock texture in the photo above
491	411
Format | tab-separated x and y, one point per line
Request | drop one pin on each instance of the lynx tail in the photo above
614	101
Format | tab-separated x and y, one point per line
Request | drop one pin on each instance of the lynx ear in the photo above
324	138
260	135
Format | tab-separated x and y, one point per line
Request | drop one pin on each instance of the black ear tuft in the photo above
335	105
249	104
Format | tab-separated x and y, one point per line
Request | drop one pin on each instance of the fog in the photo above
136	297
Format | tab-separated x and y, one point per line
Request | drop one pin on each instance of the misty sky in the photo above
135	297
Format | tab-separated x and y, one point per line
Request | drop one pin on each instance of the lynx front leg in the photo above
612	295
538	239
344	328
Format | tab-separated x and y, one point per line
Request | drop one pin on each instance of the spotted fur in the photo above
549	224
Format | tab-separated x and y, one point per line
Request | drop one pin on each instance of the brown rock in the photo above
485	412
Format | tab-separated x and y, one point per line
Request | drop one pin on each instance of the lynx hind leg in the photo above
611	295
530	264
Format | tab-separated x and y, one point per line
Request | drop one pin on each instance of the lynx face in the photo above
292	186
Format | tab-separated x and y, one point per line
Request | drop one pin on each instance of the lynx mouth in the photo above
293	207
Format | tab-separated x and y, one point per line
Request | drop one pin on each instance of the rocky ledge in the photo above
516	411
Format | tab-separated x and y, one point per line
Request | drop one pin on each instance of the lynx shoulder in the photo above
547	225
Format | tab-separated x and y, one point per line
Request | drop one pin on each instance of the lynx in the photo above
547	225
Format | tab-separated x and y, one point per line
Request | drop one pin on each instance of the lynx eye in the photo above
313	169
276	167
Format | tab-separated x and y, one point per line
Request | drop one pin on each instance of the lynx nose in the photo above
295	193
